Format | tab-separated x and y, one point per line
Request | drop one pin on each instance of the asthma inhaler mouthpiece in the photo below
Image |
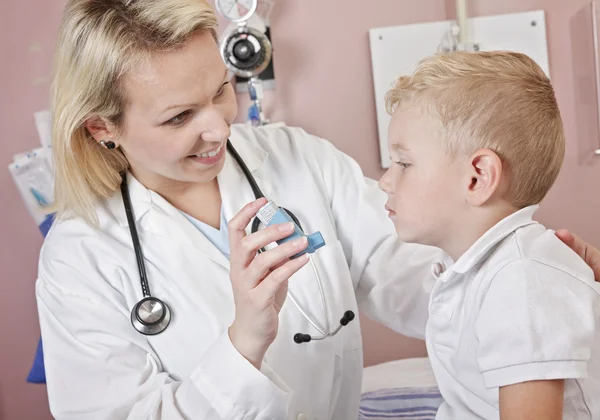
271	214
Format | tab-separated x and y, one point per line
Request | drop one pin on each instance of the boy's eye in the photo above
404	165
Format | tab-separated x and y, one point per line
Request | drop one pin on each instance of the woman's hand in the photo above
590	254
259	281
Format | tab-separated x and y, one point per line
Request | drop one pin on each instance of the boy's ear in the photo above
100	129
485	175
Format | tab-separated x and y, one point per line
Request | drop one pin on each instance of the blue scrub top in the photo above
219	238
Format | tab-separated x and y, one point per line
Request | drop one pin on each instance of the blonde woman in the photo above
143	112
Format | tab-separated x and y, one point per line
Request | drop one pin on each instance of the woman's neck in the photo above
201	200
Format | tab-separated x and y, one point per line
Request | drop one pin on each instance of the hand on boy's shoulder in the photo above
590	254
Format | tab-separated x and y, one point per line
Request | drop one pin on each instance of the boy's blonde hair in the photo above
99	42
501	101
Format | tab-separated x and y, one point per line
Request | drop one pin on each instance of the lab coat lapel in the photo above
153	214
167	221
156	216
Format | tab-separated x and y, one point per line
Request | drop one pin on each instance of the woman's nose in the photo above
216	128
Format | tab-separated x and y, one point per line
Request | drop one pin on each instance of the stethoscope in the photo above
151	316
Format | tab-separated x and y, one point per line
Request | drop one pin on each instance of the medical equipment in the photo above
457	38
594	6
271	214
236	10
152	316
33	176
43	123
246	51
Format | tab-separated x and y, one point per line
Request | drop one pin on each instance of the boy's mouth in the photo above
390	211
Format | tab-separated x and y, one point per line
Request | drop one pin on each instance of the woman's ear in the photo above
100	129
485	175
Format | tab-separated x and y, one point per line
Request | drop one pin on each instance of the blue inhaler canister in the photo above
271	214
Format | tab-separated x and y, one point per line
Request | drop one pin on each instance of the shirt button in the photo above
302	416
437	269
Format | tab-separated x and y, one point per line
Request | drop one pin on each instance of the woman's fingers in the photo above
249	246
272	260
237	226
590	254
266	290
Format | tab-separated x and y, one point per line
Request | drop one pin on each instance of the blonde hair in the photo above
501	101
99	42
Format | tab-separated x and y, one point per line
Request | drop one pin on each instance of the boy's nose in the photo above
384	183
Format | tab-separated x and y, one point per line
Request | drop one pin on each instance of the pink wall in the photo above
315	91
26	35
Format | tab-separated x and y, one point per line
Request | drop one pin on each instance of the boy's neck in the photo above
474	224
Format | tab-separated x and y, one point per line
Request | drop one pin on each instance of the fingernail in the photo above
298	242
286	227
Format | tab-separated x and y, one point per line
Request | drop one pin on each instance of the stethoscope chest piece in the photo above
150	316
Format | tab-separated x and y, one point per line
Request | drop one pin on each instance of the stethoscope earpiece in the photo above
348	316
302	338
305	338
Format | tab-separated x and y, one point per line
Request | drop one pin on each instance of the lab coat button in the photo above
302	416
437	269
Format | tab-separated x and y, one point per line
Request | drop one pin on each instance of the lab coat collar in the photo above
141	201
485	243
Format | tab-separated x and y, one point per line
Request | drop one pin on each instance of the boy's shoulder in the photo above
535	248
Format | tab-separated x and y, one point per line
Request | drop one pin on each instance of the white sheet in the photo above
415	372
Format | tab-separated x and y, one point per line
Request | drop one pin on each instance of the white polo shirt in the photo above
518	306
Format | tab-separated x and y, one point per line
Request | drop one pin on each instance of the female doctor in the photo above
153	301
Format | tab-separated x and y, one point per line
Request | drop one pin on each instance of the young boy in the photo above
476	141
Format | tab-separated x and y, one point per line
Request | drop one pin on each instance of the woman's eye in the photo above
179	118
222	90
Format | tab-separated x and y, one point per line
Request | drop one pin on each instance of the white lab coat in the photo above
99	367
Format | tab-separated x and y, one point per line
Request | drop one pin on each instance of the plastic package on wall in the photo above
32	174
